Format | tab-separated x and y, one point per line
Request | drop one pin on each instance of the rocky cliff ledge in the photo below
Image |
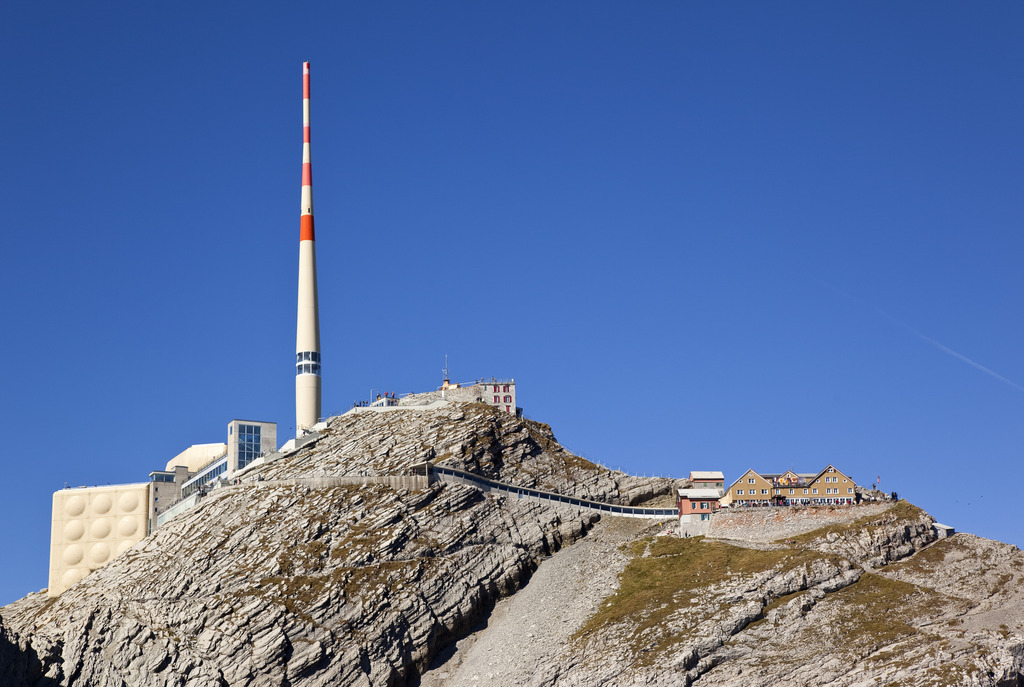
875	600
271	584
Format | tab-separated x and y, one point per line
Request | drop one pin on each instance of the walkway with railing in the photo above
418	477
448	474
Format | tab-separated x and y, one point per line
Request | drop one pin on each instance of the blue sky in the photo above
699	235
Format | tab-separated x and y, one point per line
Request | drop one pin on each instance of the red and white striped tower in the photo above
307	337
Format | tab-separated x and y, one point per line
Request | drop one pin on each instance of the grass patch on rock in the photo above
875	610
879	614
666	575
927	560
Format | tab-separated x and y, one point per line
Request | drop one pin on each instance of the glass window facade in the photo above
205	477
248	444
307	363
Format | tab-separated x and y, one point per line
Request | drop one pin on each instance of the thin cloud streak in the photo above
948	350
927	339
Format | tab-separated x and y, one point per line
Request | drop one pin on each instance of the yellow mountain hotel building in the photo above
828	487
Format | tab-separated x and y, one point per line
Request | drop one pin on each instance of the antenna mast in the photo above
444	373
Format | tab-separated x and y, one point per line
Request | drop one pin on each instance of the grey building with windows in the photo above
247	441
165	490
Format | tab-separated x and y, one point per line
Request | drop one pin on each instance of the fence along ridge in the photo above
511	489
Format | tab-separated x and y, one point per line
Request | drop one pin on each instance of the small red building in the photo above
697	504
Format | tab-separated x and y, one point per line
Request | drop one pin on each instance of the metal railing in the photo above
514	491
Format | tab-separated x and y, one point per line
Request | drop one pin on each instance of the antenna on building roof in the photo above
445	382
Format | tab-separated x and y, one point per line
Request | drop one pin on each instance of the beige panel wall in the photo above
92	526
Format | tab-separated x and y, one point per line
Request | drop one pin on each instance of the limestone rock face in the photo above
284	579
269	584
289	585
877	600
473	437
18	664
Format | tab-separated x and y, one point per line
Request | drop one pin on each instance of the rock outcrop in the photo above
473	437
264	583
288	585
873	601
284	579
18	663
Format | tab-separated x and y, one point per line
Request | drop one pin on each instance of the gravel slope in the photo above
526	632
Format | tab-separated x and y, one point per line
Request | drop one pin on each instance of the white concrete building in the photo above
500	393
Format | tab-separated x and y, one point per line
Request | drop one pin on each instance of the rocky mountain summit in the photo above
290	578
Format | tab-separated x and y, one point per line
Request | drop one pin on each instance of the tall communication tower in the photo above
307	337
